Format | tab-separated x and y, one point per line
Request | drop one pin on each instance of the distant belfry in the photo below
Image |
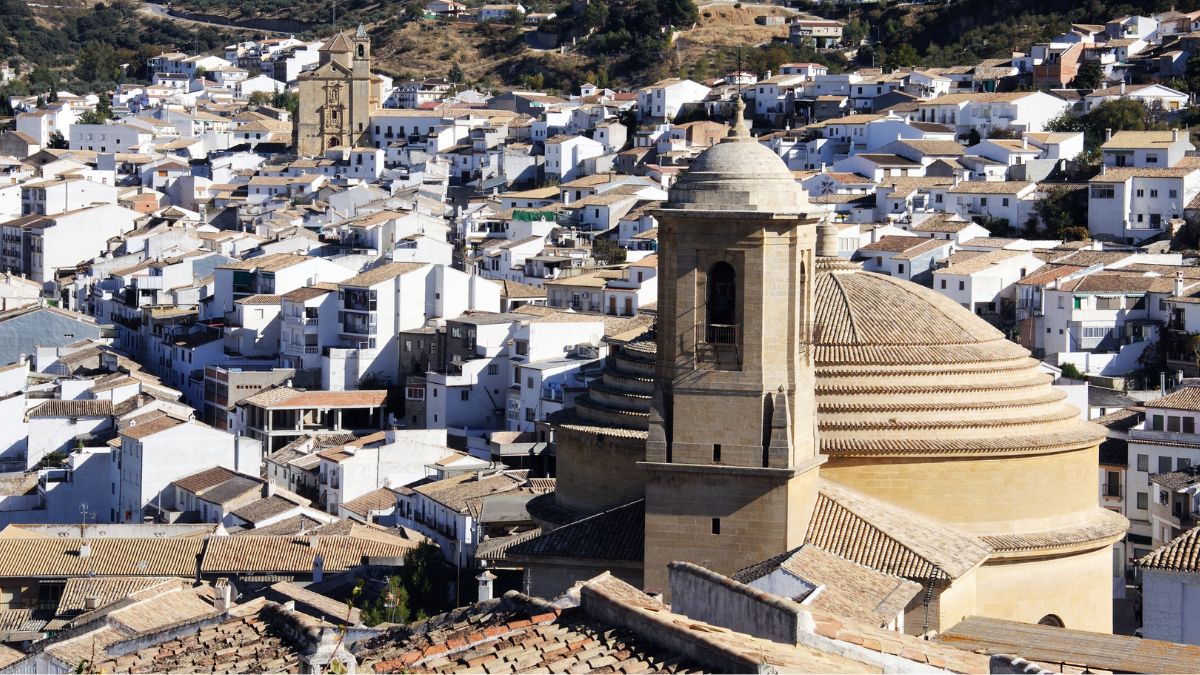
787	398
338	97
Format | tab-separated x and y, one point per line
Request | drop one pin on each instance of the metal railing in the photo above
722	334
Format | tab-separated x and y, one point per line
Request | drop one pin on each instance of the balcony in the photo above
1110	491
722	334
300	320
1168	436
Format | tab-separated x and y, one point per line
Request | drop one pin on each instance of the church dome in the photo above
902	370
739	174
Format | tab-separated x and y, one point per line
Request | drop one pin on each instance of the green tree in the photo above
392	605
1119	115
608	252
259	98
1192	72
1061	209
973	137
57	142
903	56
1089	76
456	74
97	62
286	100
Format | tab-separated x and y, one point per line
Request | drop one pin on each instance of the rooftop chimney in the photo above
85	550
1108	134
91	602
224	594
827	243
1178	284
485	580
1122	87
1174	135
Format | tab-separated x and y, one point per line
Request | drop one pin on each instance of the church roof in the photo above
888	538
902	369
338	45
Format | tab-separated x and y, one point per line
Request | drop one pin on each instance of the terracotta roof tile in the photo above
73	408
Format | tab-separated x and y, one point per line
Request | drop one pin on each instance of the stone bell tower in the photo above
731	456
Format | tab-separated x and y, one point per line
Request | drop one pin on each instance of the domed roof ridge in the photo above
866	309
738	174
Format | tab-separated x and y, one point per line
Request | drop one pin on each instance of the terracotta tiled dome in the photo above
901	370
904	370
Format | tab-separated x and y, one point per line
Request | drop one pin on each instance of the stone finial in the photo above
739	131
361	33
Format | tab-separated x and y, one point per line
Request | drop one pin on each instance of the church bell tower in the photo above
732	456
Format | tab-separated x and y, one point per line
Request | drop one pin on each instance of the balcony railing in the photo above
722	334
1111	491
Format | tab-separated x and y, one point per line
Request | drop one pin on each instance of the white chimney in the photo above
85	550
1108	134
1174	135
1122	87
485	580
1178	284
1024	143
91	602
224	594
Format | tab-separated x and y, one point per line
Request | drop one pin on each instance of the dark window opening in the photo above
722	304
716	526
717	453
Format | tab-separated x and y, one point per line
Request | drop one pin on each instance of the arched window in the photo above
1051	620
362	51
722	304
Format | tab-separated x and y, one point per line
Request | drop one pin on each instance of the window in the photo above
1172	193
493	369
1078	302
716	453
1172	425
529	415
983	201
1103	192
1142	500
1182	463
1143	461
900	268
721	306
943	283
1005	201
529	382
1151	158
962	285
1153	194
1164	464
716	526
464	395
1141	193
522	347
1110	302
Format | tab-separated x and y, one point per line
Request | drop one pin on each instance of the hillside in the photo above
79	43
970	30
